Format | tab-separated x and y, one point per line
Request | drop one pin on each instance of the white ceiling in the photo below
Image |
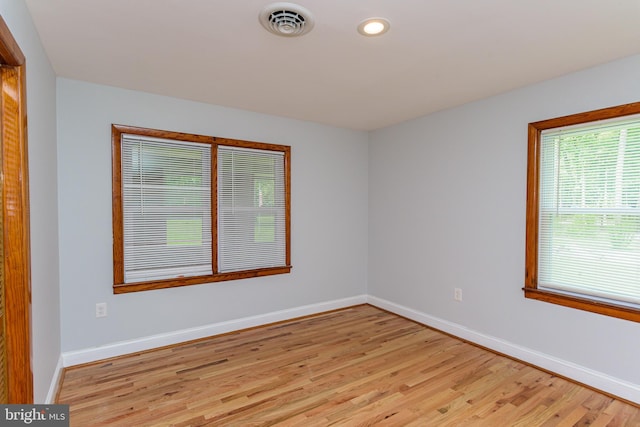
437	54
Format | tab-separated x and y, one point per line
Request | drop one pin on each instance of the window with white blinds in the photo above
590	210
166	186
251	209
587	211
190	209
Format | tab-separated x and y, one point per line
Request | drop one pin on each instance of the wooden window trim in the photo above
533	182
118	229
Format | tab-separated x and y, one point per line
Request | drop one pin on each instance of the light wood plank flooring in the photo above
354	367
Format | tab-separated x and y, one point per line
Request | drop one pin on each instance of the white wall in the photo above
329	217
41	112
447	209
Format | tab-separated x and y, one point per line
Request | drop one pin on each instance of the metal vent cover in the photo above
286	19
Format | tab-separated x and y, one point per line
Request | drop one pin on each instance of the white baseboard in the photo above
88	355
55	381
595	379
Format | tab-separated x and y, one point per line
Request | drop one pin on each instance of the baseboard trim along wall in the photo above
588	377
121	348
597	380
55	383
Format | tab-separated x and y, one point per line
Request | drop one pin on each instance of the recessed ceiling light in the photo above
373	26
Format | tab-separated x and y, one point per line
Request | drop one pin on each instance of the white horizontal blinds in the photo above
589	216
166	208
251	209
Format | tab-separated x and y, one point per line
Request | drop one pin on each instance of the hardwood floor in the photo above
354	367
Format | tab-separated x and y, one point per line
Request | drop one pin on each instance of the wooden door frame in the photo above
16	236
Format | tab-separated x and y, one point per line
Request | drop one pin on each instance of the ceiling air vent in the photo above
286	19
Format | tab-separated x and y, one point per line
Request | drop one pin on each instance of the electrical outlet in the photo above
101	309
457	294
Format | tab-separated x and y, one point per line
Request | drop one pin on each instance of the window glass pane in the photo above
184	232
166	209
251	209
265	230
589	216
